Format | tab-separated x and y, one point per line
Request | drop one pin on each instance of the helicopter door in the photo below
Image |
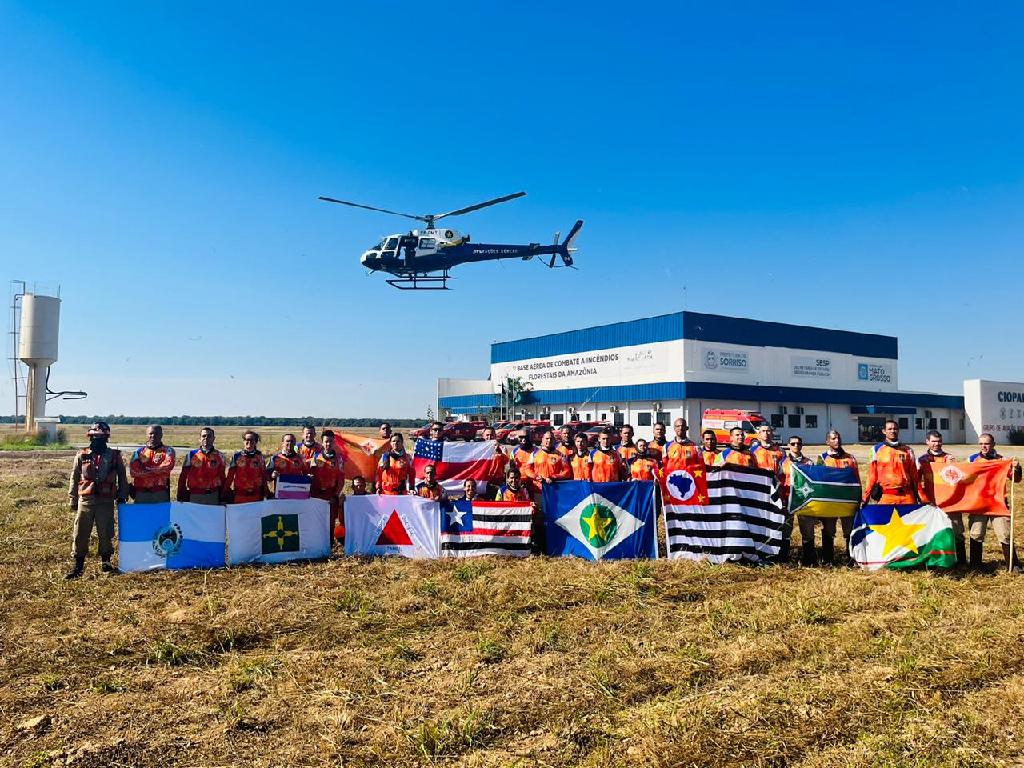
390	249
408	248
427	246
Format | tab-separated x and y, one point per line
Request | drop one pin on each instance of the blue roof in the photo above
701	327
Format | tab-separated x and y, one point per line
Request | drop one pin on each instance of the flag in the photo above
471	528
278	530
408	526
600	521
723	513
293	487
455	462
978	487
361	454
170	535
902	536
820	491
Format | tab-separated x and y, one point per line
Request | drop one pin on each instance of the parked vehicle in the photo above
721	421
595	430
451	430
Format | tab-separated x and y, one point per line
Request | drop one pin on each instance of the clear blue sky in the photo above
857	166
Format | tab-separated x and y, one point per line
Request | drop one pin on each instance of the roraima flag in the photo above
978	487
407	526
902	536
170	535
278	530
723	513
455	462
600	521
472	528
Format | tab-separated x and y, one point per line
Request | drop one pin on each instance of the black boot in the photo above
976	554
108	567
77	571
828	553
1007	556
961	551
809	555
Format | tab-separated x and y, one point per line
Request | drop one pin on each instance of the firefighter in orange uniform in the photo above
1001	525
246	479
580	462
709	453
737	452
936	454
644	466
309	447
658	443
520	458
395	474
326	468
203	472
430	488
546	464
767	453
496	470
836	456
513	489
565	445
627	448
98	480
892	473
605	462
681	453
150	469
287	461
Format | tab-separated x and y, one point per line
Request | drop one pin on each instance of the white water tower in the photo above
37	349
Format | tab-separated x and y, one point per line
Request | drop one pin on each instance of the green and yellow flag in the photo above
819	491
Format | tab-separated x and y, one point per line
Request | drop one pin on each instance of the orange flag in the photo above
979	488
361	454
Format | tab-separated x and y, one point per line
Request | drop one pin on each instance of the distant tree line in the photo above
228	421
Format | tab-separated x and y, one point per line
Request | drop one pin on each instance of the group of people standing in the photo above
100	477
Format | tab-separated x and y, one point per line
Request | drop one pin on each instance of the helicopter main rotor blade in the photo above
478	206
371	208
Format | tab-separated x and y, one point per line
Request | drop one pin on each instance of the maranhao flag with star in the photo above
600	521
978	487
473	528
902	536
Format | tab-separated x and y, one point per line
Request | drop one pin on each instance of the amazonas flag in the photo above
978	487
820	491
600	521
455	462
407	526
170	535
902	536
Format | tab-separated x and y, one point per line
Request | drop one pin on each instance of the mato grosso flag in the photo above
723	513
170	535
978	487
902	536
600	521
819	491
407	526
473	528
278	530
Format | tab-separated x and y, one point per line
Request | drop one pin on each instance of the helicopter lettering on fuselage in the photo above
420	259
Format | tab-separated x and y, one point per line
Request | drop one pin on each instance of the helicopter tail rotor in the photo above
567	248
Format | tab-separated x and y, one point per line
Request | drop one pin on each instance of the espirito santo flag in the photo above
902	536
819	491
978	487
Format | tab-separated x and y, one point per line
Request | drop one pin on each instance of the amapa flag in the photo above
978	488
472	528
820	491
361	454
455	462
407	526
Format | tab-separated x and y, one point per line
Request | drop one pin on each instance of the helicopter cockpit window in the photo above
428	242
391	244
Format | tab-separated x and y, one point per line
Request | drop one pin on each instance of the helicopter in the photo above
421	259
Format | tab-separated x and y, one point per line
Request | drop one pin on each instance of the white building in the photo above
805	380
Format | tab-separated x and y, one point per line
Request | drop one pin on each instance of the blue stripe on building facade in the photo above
698	327
704	390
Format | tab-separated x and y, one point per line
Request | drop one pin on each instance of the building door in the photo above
869	429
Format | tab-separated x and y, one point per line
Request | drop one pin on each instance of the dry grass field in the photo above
492	663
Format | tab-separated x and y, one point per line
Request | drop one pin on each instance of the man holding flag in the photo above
1001	525
835	456
926	466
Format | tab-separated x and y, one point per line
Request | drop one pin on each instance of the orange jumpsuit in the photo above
150	468
923	462
644	468
307	452
732	456
395	474
839	461
246	477
710	458
581	467
328	476
606	466
507	494
768	458
549	465
893	467
566	449
521	458
626	452
680	455
657	450
496	471
786	476
433	492
201	472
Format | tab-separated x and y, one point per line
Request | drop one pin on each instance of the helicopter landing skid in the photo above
421	282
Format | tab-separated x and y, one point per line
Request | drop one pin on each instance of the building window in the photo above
620	418
604	417
811	421
664	417
643	419
903	422
943	423
590	417
777	420
932	424
793	420
918	423
559	419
